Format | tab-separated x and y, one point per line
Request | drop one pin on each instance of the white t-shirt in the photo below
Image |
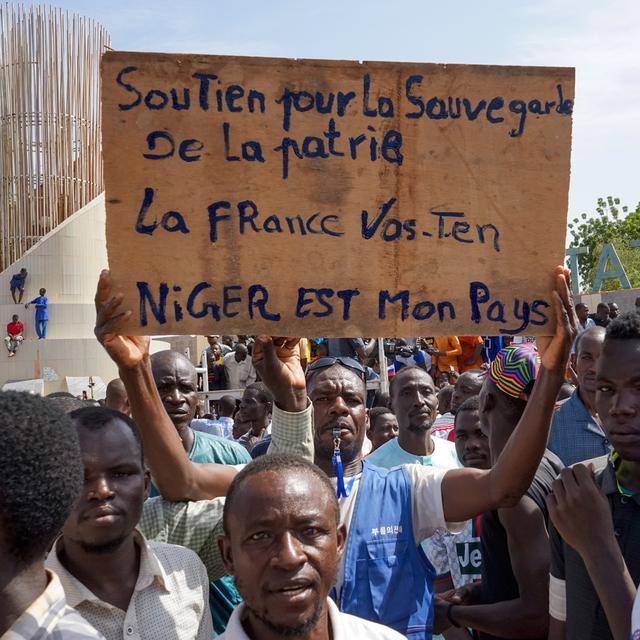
635	618
343	626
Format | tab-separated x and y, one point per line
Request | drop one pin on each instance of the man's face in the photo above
414	400
14	318
602	312
385	429
252	407
240	427
177	385
213	340
472	444
613	310
240	353
589	349
618	396
115	488
338	397
216	352
582	311
283	550
467	386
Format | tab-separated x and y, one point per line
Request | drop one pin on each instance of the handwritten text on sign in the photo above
250	195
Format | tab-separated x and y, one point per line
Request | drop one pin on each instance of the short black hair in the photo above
95	418
263	393
278	462
468	406
624	327
68	404
375	413
394	387
226	405
581	305
42	473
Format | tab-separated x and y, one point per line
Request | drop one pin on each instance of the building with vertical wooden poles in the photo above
50	158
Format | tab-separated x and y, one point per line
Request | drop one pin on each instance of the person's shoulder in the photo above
381	455
174	557
220	444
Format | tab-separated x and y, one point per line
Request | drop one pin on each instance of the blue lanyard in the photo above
341	490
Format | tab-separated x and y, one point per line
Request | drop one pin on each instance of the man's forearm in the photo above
613	584
508	619
292	432
516	466
175	475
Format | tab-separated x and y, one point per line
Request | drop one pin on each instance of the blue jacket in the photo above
388	578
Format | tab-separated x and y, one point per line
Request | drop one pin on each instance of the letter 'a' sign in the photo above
315	197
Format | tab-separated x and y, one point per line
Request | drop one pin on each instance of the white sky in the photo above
601	39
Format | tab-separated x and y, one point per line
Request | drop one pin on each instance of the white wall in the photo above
67	263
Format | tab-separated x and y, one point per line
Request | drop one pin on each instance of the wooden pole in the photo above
50	118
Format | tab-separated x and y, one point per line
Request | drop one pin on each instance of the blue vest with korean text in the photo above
387	578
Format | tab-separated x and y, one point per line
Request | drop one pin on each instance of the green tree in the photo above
613	224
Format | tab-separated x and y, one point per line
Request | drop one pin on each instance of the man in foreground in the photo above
117	580
384	510
41	479
595	509
282	542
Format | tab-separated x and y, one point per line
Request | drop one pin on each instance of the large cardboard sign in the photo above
314	197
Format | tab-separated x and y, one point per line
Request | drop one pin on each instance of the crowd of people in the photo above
492	493
15	335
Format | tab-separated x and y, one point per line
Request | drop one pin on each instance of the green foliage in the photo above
613	224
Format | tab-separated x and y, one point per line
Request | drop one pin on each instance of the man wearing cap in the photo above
512	600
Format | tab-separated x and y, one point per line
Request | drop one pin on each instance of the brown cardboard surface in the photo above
459	237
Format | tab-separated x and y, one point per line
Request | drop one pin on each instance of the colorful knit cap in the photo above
514	370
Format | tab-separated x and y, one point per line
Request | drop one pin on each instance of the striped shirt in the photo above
50	618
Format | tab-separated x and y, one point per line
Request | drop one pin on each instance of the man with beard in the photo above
595	508
283	542
384	511
122	584
414	444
